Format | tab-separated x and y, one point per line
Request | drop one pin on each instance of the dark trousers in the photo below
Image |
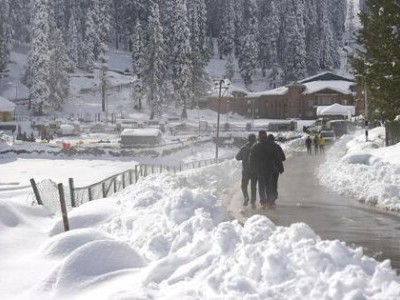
246	177
275	177
265	187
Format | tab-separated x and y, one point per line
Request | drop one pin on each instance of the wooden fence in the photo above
117	182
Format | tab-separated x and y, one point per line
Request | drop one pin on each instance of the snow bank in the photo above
366	170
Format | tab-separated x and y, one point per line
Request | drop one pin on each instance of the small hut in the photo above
141	137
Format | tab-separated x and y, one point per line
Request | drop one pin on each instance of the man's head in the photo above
271	137
262	135
252	138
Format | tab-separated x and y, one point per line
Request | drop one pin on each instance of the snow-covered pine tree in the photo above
18	20
269	33
312	36
181	63
327	45
249	52
154	79
226	38
200	55
91	39
5	14
3	40
138	63
238	7
58	64
3	54
104	29
294	66
72	44
38	61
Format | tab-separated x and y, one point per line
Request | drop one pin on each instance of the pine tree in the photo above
378	64
327	45
3	54
294	67
38	61
91	39
200	55
104	29
181	64
58	76
156	68
249	52
72	44
138	63
226	39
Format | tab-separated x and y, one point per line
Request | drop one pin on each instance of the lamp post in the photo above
222	84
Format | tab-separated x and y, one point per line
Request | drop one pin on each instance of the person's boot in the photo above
246	202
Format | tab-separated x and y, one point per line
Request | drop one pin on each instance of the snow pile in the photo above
366	170
169	236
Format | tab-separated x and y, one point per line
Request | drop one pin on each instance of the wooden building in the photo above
296	100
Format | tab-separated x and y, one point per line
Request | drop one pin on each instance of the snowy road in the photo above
332	216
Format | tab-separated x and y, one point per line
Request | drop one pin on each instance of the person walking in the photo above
279	158
262	156
316	144
321	144
247	174
308	143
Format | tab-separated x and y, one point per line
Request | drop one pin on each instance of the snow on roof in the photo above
6	105
326	76
336	109
141	132
278	91
339	86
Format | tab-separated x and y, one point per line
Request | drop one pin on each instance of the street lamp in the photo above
220	85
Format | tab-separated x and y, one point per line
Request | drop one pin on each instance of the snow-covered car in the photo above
328	135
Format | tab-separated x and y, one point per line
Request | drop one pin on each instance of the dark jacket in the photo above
243	155
279	159
262	157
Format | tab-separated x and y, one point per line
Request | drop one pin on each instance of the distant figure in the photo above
247	174
262	158
316	144
321	144
280	157
308	144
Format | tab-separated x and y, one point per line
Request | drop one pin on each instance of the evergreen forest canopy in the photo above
171	42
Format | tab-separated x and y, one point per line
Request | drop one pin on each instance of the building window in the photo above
325	100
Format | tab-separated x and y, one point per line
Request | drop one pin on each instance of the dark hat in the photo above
262	134
251	138
271	137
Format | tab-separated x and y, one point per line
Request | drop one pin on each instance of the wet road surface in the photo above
331	215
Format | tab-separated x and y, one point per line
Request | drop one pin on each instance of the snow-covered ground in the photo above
170	236
367	170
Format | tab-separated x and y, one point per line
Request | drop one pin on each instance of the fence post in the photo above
160	168
72	191
103	189
130	177
36	191
63	207
90	193
115	184
123	180
136	173
152	169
